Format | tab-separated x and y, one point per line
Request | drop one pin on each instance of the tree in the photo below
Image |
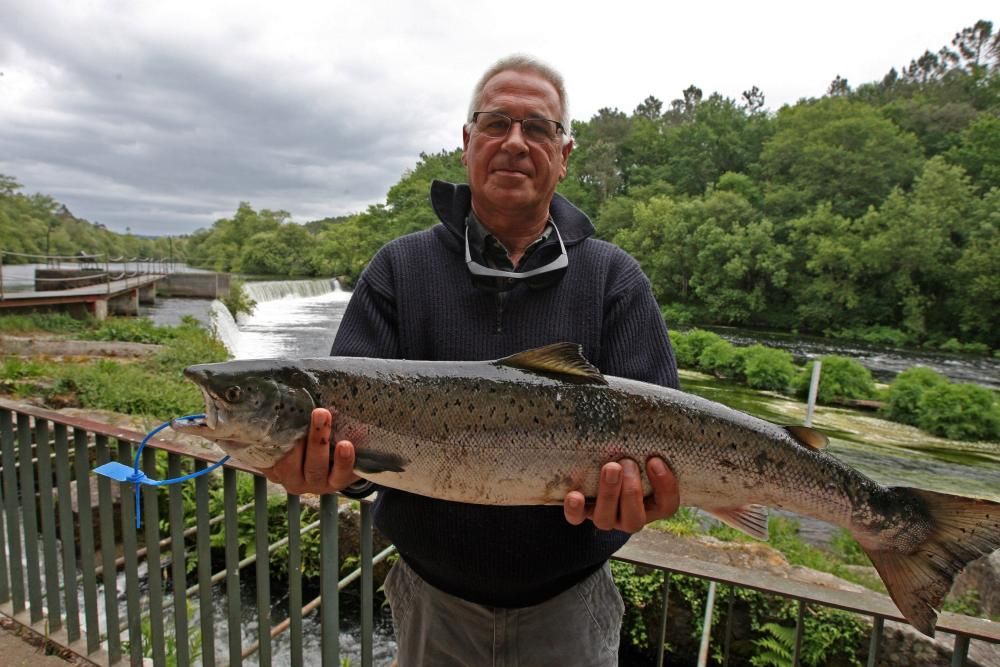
650	108
836	150
838	87
976	45
978	152
753	100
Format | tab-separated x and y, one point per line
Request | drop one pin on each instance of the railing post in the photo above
706	629
330	612
661	645
367	595
799	622
875	644
960	651
813	391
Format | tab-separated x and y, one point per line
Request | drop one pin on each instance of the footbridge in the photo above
88	285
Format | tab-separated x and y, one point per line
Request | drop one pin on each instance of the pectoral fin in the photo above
749	519
366	460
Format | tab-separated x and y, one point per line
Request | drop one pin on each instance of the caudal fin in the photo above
961	530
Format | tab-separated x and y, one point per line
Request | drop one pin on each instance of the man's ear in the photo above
566	149
465	143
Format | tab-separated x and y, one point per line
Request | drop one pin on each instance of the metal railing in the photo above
98	266
92	583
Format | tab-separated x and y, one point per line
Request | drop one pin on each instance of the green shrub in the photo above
877	335
841	378
238	300
677	315
49	322
768	368
688	345
960	412
953	345
721	359
906	391
130	330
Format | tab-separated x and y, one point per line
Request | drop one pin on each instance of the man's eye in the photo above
538	129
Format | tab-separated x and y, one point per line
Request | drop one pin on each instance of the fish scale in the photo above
530	428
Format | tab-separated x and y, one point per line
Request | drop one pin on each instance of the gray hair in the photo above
519	62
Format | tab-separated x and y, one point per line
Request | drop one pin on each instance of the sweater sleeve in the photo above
370	326
634	340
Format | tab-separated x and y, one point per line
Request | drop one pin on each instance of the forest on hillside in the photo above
872	211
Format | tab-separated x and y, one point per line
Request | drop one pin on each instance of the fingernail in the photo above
657	468
613	475
575	503
630	468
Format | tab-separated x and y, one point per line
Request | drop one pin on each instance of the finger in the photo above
631	508
287	471
316	465
575	508
342	474
605	513
666	495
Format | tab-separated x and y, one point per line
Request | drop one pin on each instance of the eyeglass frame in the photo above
560	128
477	269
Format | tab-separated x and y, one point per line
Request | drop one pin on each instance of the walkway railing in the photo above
62	530
99	269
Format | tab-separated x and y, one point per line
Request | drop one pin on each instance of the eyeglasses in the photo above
477	269
497	124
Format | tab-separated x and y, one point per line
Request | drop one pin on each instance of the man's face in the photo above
511	174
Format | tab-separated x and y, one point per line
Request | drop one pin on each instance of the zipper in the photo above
501	300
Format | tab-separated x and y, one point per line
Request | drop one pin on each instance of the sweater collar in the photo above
452	202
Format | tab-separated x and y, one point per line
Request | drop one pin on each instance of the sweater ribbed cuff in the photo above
358	490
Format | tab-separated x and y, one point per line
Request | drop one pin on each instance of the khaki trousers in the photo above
578	627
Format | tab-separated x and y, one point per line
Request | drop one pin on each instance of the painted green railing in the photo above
74	568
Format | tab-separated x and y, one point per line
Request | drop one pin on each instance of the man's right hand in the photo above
309	468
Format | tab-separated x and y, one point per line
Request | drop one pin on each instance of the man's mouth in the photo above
510	172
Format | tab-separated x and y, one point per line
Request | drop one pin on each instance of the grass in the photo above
154	388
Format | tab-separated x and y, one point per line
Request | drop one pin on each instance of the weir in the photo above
271	290
295	318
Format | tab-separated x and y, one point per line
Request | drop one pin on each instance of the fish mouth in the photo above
203	425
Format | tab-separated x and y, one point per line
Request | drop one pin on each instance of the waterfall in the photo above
292	318
271	290
223	325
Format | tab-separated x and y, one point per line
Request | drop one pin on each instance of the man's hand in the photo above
308	468
620	503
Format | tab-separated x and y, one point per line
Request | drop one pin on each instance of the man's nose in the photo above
514	141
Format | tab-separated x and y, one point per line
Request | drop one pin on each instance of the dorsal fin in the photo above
808	437
564	361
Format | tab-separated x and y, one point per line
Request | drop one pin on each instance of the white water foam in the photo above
291	319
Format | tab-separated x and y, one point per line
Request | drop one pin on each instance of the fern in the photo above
775	648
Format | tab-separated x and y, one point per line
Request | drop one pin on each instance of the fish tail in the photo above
918	576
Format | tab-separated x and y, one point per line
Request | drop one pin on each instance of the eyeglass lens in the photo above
495	124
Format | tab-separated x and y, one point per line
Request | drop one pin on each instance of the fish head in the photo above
264	404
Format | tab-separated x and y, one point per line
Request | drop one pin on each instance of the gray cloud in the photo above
163	117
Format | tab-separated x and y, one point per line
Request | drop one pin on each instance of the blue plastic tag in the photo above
120	472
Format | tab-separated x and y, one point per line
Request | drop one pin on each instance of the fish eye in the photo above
234	394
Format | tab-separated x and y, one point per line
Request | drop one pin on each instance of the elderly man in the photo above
511	266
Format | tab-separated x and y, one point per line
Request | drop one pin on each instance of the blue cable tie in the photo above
122	473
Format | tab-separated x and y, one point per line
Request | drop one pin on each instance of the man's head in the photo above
515	172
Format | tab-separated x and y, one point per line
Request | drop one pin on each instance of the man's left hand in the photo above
620	504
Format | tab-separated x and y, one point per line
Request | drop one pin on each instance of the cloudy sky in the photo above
162	116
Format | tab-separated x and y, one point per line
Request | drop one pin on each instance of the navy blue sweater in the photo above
416	300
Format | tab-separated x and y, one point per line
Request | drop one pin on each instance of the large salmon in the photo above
531	427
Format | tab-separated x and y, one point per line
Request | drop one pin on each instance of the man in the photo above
511	267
